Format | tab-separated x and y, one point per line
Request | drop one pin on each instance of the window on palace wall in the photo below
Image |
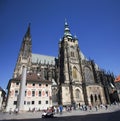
46	101
33	102
28	102
24	102
33	93
25	93
39	102
17	83
39	93
46	85
46	93
33	84
16	92
15	103
39	84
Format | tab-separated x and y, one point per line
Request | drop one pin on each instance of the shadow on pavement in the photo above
113	116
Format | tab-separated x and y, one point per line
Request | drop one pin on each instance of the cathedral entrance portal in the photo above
95	99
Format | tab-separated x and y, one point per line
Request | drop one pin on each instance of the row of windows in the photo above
30	102
17	83
33	93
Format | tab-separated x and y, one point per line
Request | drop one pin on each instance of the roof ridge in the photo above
42	55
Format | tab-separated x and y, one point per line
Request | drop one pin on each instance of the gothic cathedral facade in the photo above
69	79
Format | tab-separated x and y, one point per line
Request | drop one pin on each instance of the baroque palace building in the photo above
42	81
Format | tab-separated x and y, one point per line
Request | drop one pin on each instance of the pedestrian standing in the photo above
106	106
60	108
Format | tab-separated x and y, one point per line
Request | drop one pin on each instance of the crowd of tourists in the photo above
70	108
60	109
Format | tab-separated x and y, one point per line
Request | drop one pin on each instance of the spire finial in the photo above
65	21
29	24
67	30
28	31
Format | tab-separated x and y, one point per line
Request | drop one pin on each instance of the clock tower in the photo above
70	78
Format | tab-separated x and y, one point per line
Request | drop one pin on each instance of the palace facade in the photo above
2	99
42	81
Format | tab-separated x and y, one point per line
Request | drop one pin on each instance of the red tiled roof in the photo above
117	79
32	77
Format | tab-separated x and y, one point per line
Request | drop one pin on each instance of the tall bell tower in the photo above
70	77
24	58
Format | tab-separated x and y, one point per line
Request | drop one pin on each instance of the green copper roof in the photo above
43	59
67	30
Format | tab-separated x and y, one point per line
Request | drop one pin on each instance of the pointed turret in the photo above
67	32
28	32
26	45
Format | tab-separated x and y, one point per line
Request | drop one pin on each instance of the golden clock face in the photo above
88	75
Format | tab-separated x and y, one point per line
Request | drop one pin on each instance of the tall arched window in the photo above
72	54
88	75
77	93
74	73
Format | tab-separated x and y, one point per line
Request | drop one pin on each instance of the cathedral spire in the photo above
28	31
67	32
25	53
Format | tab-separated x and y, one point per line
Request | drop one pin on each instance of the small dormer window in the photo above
33	84
17	83
16	92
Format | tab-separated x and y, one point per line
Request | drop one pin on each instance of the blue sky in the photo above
96	23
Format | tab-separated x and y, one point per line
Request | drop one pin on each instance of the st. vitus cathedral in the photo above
41	81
